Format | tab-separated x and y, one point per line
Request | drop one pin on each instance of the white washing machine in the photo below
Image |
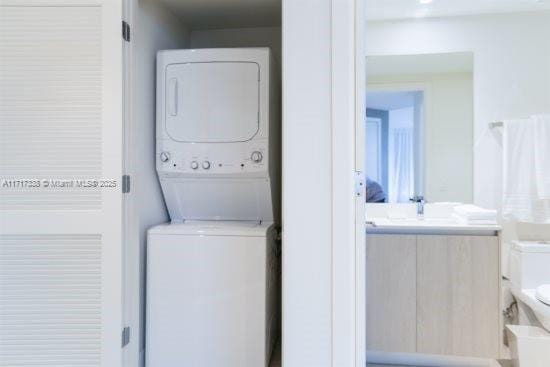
211	289
211	272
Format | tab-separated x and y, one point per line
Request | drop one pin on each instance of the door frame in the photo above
348	146
323	218
131	354
360	205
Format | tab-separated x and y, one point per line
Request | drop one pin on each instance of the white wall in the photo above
511	76
307	196
449	139
153	28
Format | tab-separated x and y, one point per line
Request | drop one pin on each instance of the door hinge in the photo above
125	31
125	184
359	184
125	336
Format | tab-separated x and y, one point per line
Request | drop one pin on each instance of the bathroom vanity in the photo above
433	287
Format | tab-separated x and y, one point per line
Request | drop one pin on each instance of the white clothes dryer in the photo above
218	134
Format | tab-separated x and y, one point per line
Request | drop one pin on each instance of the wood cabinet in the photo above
391	293
458	295
433	294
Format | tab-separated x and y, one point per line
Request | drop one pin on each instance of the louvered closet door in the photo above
60	119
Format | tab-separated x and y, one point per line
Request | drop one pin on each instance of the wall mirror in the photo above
419	128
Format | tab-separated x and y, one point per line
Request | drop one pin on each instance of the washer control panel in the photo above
176	157
165	156
256	156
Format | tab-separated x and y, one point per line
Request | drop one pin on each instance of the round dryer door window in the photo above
212	102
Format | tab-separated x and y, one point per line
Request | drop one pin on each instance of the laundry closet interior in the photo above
156	25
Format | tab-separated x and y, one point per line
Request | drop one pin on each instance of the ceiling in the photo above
455	62
209	14
388	101
402	9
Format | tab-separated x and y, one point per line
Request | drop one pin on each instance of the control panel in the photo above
175	157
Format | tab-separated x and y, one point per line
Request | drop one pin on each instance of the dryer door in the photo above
212	102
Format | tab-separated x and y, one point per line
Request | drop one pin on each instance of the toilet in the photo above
530	279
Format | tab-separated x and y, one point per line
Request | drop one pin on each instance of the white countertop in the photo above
438	219
427	226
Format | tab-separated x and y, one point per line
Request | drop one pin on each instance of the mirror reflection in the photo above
419	128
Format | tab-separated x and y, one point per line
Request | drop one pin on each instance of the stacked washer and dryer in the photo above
212	271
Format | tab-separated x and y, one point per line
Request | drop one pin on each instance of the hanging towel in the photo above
520	195
542	155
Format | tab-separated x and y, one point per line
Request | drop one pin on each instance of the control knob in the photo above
256	157
206	165
194	165
164	156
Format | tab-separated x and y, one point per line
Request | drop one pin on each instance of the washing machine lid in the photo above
212	102
532	246
214	228
543	294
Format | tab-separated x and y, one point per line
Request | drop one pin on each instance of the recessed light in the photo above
425	2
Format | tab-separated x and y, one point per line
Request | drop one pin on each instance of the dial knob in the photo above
194	165
256	157
165	156
206	165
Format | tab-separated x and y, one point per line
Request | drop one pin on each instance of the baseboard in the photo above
428	360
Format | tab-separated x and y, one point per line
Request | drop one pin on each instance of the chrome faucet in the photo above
419	200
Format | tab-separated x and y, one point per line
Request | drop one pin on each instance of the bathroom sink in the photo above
413	222
423	221
438	219
426	226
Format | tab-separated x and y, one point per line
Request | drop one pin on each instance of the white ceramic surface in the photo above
530	346
402	218
210	295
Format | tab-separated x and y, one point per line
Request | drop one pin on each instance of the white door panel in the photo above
360	239
212	101
61	120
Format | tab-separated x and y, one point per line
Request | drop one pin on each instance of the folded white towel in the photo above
473	212
520	197
542	155
474	222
